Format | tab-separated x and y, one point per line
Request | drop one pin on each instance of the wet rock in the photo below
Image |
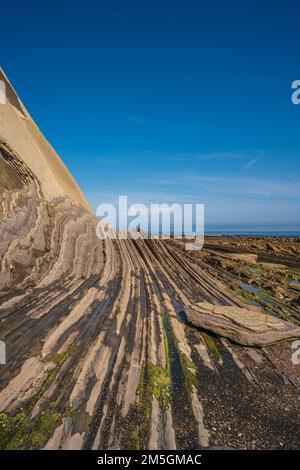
296	301
295	286
272	247
279	292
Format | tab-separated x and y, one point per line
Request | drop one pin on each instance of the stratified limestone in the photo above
247	325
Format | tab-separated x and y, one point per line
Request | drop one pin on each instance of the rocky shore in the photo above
101	349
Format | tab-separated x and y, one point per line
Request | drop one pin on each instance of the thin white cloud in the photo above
250	164
135	119
194	156
227	185
184	156
220	155
221	208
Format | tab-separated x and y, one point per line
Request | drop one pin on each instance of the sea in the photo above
287	231
254	231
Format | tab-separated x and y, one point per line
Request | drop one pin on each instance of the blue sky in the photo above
166	101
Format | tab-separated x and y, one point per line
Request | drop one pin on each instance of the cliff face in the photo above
26	145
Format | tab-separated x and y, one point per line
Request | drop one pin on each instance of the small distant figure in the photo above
2	353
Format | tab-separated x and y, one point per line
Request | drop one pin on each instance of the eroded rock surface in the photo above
248	326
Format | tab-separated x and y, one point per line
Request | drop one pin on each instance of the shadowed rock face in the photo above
99	354
14	174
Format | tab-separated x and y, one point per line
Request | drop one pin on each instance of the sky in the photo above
166	101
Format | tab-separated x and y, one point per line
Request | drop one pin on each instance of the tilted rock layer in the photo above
244	325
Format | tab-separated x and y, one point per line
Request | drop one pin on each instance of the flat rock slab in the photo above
248	326
247	257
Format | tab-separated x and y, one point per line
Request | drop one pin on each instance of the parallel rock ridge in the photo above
99	353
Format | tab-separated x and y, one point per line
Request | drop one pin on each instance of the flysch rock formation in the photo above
99	354
248	325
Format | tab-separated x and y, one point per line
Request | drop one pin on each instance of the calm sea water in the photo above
254	231
244	233
267	231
